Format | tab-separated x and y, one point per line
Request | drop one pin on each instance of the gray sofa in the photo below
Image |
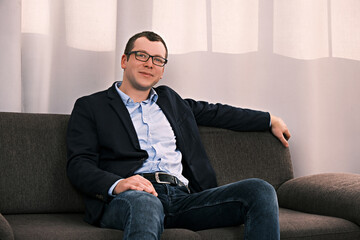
38	202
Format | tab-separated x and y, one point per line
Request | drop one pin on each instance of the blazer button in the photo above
99	196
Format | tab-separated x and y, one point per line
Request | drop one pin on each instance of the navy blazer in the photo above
103	145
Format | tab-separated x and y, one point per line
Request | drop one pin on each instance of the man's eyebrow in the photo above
157	55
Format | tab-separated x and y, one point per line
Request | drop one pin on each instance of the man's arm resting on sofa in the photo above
331	194
6	232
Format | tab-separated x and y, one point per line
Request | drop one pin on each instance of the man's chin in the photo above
146	86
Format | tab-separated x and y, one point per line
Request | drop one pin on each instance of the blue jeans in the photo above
252	202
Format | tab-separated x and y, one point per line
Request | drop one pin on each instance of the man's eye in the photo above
142	55
159	60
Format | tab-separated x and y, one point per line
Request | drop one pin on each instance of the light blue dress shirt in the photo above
155	135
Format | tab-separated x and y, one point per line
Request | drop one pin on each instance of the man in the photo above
135	153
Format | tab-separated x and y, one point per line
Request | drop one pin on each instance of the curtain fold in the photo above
10	56
298	59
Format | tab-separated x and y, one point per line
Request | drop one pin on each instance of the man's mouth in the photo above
146	74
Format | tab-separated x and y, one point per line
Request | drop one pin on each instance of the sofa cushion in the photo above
228	233
33	150
6	231
332	194
72	226
236	156
296	226
303	226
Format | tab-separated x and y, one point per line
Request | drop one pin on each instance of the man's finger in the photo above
284	141
148	187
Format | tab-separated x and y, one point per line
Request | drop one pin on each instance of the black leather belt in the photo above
161	177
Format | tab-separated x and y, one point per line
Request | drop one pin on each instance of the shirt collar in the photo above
153	97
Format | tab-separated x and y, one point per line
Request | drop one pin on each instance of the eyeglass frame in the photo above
149	56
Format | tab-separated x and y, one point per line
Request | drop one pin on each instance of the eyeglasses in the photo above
144	57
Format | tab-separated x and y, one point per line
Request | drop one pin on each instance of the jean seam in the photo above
130	218
246	230
130	215
210	205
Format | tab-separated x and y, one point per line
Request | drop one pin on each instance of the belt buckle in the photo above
158	179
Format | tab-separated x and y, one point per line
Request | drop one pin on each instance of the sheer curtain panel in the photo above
298	59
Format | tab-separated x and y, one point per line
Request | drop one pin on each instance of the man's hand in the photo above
280	130
135	182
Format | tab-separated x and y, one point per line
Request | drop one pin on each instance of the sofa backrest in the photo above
240	155
33	165
33	161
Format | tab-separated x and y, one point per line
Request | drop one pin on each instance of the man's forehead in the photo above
155	48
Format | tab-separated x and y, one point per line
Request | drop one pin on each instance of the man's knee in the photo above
133	206
141	201
257	190
263	193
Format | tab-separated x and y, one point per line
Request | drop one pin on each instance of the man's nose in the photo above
149	63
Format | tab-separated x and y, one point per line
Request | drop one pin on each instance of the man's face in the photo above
143	75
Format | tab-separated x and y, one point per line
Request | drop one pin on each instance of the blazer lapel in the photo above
169	109
121	110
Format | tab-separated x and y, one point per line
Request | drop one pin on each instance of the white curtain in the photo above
298	59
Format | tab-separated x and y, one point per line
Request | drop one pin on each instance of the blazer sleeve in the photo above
229	117
83	154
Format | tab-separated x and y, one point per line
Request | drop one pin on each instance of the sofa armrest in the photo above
6	232
330	194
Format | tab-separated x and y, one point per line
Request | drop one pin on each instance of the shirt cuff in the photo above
111	189
269	120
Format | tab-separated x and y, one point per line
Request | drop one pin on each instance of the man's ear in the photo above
123	61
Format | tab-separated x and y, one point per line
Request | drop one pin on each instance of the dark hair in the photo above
151	36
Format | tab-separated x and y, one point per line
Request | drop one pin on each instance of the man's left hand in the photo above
280	130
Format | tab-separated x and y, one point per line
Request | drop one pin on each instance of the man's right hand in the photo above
135	182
